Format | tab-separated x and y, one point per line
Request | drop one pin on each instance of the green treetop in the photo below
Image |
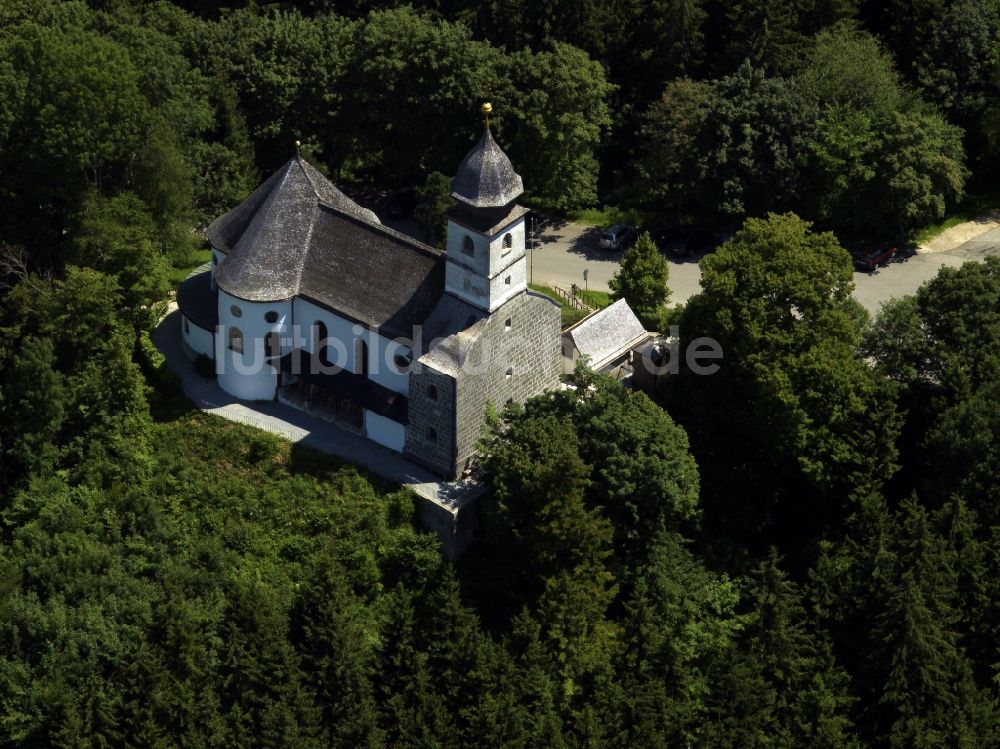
641	280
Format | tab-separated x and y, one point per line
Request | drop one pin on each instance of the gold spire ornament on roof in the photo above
297	144
487	109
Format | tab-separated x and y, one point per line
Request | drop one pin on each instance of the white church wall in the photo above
511	281
249	374
467	285
478	262
387	373
570	354
342	336
385	431
498	260
483	280
340	333
199	340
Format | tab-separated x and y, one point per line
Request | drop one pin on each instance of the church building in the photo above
312	301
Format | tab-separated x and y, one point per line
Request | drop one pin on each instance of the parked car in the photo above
869	260
685	241
617	237
402	203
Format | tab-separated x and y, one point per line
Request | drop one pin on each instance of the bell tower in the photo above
486	263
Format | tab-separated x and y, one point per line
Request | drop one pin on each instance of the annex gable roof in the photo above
605	335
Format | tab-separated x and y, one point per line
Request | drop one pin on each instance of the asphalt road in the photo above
561	253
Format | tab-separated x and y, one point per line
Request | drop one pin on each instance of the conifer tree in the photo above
783	687
412	712
333	631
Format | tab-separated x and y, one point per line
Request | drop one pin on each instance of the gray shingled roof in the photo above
454	327
608	333
488	222
371	274
485	178
295	186
297	234
196	300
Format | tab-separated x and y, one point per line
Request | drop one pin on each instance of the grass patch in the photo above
596	299
972	206
608	216
547	290
570	314
183	266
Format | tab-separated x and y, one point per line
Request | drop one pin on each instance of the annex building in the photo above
312	301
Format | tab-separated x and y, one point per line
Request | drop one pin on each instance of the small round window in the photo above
271	317
235	311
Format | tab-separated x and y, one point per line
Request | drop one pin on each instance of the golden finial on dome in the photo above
487	109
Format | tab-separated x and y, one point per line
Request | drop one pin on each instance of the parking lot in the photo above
560	253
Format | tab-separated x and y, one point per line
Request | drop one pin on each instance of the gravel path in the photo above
957	235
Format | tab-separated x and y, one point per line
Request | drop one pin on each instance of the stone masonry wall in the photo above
530	348
436	452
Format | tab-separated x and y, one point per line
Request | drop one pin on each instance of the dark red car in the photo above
870	260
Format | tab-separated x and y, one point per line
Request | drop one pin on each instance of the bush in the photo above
265	447
149	358
154	366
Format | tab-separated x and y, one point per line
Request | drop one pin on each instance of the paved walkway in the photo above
301	427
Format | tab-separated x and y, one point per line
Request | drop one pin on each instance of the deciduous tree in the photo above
792	398
641	280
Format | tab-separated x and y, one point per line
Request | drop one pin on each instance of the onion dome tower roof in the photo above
486	178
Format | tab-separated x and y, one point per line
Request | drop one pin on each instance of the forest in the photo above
802	550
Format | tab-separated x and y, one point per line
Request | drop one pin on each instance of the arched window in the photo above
320	346
510	372
468	246
236	340
432	434
432	392
360	357
272	343
403	358
507	244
